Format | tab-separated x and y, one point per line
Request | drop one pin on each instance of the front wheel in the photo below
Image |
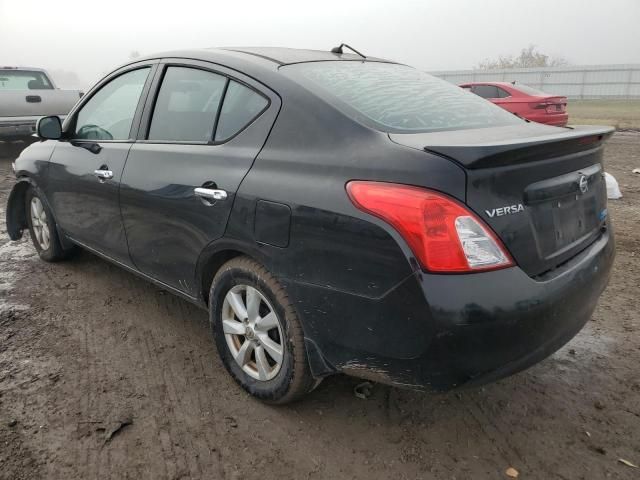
42	228
257	332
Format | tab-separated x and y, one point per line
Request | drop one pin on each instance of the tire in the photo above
271	381
44	234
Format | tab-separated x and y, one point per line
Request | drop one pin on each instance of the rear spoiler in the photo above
493	147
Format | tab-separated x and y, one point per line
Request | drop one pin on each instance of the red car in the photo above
523	101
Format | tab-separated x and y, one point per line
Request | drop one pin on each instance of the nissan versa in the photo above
333	212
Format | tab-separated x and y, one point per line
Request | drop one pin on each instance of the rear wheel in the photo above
257	332
42	228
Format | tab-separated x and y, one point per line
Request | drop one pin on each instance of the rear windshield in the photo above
24	80
396	98
530	90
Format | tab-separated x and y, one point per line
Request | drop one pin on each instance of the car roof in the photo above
258	63
264	57
286	56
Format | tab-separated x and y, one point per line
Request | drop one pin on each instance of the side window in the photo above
485	91
241	105
187	105
108	114
502	93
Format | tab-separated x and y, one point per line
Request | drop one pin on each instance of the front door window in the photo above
108	115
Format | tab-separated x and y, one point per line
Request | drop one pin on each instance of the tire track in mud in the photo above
182	391
141	355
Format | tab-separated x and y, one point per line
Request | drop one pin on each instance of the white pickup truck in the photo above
27	94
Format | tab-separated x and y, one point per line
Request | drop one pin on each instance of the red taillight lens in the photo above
443	234
539	106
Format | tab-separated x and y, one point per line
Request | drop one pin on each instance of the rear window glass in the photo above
485	91
241	106
187	105
397	98
24	80
530	90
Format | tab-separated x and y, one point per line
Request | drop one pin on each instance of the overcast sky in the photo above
91	38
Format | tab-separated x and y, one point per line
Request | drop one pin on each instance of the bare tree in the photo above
529	57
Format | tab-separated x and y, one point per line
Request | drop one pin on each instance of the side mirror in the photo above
49	128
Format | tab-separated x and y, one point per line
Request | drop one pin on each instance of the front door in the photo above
86	166
197	144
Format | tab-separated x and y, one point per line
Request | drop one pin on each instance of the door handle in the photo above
210	193
103	174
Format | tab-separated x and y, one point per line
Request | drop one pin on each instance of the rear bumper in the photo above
438	332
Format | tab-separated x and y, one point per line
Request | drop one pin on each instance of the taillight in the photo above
539	106
443	234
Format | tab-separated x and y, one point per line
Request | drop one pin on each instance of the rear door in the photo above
86	166
200	134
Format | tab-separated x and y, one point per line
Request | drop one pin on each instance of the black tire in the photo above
53	252
294	378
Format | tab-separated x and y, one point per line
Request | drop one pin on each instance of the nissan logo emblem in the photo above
583	183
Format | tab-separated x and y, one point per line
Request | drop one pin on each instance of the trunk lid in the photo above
540	188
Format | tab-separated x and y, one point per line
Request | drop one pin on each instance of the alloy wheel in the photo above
253	332
39	223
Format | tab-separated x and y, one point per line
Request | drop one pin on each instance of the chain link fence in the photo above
578	82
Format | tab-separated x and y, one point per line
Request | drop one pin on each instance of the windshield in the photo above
24	80
397	98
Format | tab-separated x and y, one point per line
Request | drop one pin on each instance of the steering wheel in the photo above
93	132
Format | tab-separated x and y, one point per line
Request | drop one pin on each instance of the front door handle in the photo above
103	174
210	193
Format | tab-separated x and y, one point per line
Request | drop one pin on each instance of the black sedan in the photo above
333	212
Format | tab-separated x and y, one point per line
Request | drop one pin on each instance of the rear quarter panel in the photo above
306	163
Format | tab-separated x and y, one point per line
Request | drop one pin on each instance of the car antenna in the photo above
339	50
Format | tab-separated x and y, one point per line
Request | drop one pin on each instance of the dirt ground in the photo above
102	375
623	114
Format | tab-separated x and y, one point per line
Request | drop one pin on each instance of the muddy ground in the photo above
102	375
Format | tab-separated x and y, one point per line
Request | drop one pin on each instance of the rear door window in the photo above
241	106
187	105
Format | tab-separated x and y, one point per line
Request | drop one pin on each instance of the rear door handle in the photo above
103	174
210	193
